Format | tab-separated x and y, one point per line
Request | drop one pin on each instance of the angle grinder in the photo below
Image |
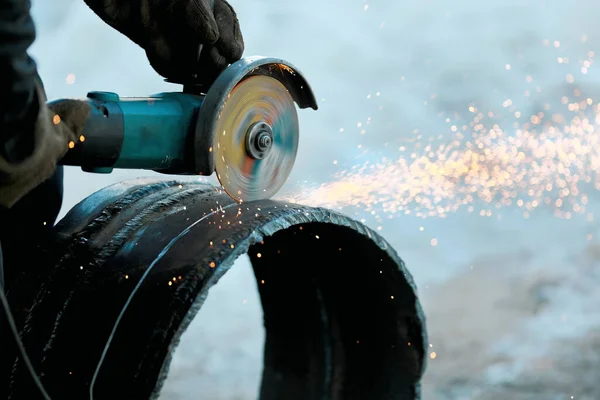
244	127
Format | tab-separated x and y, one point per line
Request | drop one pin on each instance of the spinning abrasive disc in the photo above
256	139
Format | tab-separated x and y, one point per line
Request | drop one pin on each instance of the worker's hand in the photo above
30	155
170	31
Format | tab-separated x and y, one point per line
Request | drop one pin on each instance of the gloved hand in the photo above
25	164
170	31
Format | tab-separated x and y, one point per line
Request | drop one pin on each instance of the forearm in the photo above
18	73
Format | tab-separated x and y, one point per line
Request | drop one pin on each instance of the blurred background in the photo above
465	132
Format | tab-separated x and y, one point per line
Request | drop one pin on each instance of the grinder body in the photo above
176	132
153	133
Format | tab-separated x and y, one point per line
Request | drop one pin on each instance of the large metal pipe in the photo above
133	263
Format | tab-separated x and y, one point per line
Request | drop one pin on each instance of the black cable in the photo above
1	271
15	332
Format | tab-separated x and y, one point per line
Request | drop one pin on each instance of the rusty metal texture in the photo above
341	314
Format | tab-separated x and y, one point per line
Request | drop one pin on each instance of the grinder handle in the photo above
153	133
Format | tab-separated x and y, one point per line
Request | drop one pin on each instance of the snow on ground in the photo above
511	301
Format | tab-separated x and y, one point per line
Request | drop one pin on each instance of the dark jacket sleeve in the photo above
32	138
18	74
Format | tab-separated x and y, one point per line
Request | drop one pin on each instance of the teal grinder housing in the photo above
244	127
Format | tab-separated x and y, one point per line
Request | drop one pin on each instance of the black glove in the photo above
170	31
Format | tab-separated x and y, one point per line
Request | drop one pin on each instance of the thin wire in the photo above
139	284
15	332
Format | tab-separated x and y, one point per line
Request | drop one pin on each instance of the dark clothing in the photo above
18	72
27	222
26	142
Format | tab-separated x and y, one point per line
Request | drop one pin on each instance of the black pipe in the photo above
341	313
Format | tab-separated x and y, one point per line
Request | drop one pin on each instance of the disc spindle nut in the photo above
259	140
264	141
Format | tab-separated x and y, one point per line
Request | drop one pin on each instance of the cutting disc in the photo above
256	139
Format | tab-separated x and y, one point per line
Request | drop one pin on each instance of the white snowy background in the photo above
512	302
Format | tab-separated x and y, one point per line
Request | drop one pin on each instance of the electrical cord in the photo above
15	332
